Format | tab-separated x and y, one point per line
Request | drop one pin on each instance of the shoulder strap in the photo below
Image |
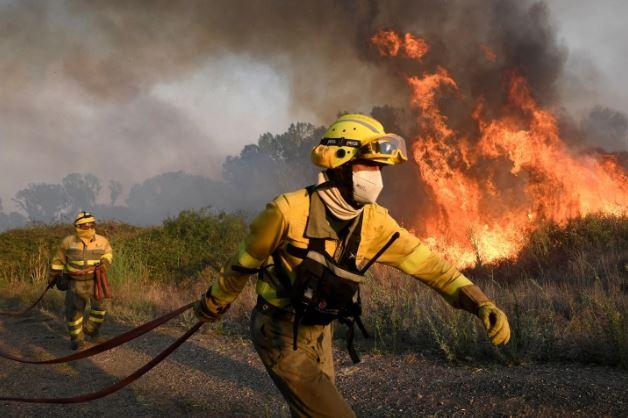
353	243
317	244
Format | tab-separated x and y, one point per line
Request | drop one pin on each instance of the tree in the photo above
275	164
115	188
170	193
11	220
81	191
43	202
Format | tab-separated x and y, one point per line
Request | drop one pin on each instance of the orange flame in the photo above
387	43
489	54
490	191
414	47
390	44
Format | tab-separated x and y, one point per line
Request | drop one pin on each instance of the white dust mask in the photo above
367	185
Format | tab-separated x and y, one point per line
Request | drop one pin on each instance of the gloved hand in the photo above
53	275
496	323
207	309
60	280
472	299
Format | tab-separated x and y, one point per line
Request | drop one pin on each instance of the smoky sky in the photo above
130	89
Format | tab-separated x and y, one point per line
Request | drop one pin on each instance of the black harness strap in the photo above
355	358
318	245
348	258
296	251
245	270
284	280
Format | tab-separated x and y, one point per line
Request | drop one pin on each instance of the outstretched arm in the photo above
267	231
411	256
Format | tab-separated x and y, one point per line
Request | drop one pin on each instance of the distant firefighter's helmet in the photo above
84	217
356	136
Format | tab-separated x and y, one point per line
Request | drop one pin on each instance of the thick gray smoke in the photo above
117	51
81	75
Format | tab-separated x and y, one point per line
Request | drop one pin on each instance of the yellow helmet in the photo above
355	136
83	218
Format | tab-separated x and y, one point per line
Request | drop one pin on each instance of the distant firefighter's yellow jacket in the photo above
287	221
74	255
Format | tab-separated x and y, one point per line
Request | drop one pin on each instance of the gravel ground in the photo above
214	375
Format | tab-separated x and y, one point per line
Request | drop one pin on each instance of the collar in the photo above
321	223
78	239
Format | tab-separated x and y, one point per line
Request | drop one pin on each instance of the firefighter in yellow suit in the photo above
73	269
337	213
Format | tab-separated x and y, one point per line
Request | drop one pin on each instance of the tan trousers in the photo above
78	295
305	377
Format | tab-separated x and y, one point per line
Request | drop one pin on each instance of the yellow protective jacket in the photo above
74	255
287	220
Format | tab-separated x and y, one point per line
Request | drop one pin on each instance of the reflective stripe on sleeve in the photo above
269	294
81	263
247	260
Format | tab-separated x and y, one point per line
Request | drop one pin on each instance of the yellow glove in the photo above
207	310
496	323
472	299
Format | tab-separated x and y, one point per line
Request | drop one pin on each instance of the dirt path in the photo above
221	376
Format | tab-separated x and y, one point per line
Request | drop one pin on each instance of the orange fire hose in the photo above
101	288
101	280
107	345
116	387
97	284
101	284
22	312
105	283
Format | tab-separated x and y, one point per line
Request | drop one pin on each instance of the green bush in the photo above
185	245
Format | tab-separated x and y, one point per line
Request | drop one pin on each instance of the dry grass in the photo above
549	321
565	297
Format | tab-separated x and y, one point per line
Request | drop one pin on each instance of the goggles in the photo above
390	147
87	225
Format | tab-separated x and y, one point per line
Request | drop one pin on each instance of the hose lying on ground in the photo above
19	313
107	345
117	386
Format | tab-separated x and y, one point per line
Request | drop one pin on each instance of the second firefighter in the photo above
80	262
